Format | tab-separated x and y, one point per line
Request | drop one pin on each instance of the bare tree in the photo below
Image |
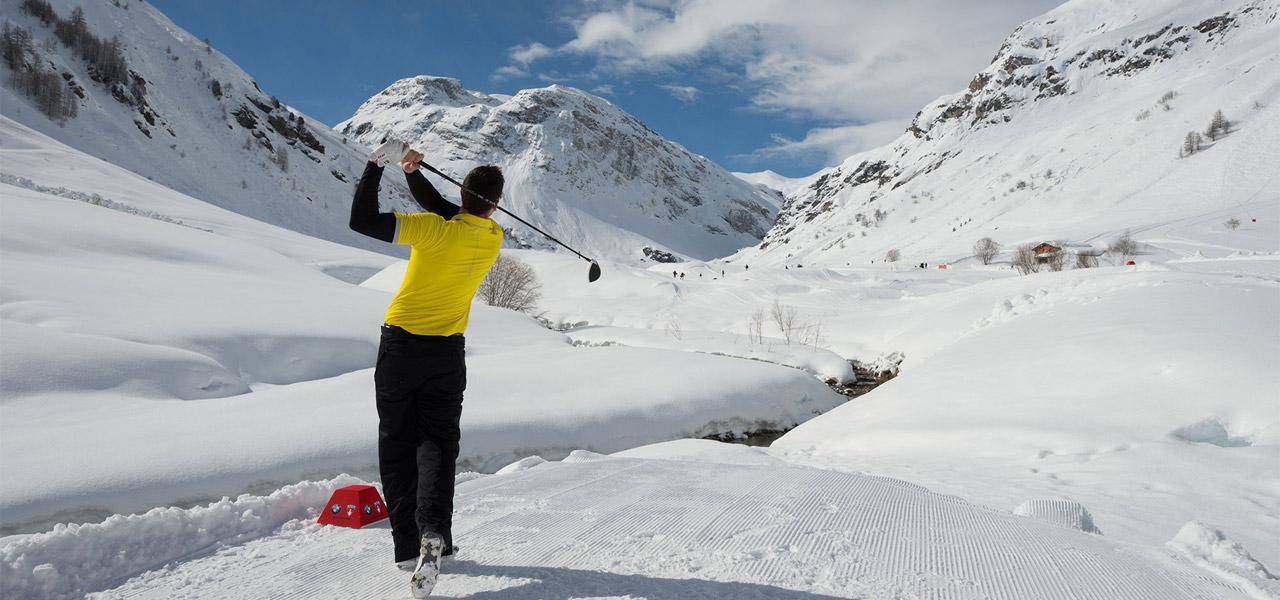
892	255
1192	143
755	327
1057	260
1024	260
986	249
1086	261
811	335
1218	126
1233	223
673	327
1124	247
510	284
786	318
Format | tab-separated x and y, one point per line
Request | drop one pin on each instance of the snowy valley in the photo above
186	365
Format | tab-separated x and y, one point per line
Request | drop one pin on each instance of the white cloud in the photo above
525	54
683	93
509	71
832	59
603	89
832	144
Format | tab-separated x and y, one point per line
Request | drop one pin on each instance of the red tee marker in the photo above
354	506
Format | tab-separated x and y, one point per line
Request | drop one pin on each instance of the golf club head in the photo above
594	272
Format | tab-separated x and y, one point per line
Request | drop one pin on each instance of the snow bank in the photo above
1209	549
655	528
1108	387
1062	512
822	363
72	560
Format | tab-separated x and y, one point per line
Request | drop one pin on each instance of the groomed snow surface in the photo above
661	526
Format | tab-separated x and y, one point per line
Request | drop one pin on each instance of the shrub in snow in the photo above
786	319
755	328
1086	261
1024	260
510	284
892	255
986	249
1233	223
1057	261
1124	247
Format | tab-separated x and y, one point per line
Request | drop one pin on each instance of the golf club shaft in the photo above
504	211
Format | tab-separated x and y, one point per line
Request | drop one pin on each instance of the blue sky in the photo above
787	85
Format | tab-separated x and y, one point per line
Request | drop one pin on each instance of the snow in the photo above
1209	549
1092	433
576	166
638	528
1013	160
779	183
224	357
195	143
73	559
818	361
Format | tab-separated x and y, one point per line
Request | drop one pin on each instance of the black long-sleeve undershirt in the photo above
366	215
428	198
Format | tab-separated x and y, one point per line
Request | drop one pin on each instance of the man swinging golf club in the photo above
421	370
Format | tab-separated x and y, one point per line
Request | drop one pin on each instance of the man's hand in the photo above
410	161
391	151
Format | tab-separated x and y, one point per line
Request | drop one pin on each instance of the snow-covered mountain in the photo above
1074	131
779	185
170	107
576	165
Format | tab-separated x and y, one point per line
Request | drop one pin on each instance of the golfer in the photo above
421	368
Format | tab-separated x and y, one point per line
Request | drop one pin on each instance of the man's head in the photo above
487	181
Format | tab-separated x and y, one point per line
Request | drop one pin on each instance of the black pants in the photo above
419	381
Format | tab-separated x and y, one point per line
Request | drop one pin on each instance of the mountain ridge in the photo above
576	165
1073	131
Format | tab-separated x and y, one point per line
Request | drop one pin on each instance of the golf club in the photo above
593	273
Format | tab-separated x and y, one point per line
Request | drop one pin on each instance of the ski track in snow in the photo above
625	528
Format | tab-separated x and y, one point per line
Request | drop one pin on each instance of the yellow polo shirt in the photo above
447	262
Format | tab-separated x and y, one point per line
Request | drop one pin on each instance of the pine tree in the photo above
79	26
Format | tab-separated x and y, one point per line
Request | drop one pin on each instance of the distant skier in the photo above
421	369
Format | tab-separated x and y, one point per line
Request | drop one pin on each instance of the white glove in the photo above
391	151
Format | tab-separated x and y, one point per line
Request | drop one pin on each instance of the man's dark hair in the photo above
485	180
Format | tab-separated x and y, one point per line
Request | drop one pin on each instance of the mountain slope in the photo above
576	165
780	185
1073	131
186	116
